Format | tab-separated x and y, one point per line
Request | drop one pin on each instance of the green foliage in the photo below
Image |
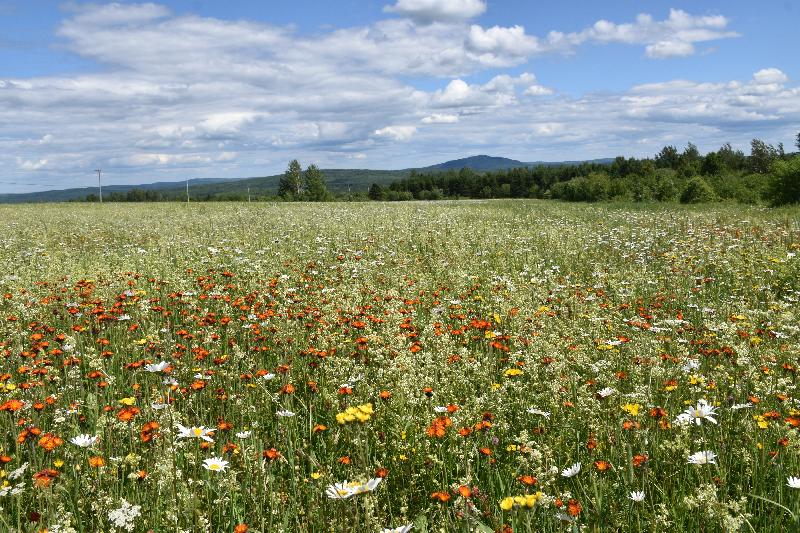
697	191
785	186
761	156
315	189
376	192
291	184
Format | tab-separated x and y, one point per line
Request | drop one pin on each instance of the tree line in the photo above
768	174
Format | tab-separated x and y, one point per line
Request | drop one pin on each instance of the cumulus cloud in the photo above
182	95
440	118
770	76
437	10
397	133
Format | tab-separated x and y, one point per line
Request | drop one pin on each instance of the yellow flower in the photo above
511	372
762	422
507	503
315	475
632	408
128	401
58	463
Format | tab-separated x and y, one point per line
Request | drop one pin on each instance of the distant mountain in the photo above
480	163
338	180
484	163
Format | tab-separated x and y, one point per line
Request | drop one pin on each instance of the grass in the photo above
453	320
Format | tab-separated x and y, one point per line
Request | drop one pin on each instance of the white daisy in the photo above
215	464
703	458
637	495
572	470
606	392
243	434
285	414
402	529
195	432
157	367
703	411
84	441
344	490
535	411
268	377
792	481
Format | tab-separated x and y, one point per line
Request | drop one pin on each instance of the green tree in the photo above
376	192
785	186
667	158
291	184
797	141
315	189
761	156
697	191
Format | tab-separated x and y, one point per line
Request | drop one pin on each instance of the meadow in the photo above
449	366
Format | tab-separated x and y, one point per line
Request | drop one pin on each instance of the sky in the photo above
178	89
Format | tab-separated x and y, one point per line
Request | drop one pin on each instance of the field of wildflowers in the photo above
452	366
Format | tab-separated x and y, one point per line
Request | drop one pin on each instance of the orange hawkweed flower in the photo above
527	480
345	460
381	472
485	451
50	442
438	427
241	528
12	405
126	414
271	454
385	395
639	460
465	491
574	507
44	478
287	389
441	497
318	428
602	466
96	461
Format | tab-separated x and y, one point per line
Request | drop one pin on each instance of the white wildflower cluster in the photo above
125	516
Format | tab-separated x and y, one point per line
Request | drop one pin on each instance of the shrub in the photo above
697	191
785	186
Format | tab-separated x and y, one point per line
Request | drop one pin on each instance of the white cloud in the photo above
440	118
31	165
116	13
180	94
500	46
770	76
664	49
437	10
397	133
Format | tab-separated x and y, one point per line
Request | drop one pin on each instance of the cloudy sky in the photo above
189	88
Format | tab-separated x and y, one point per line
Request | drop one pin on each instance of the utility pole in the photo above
248	195
99	185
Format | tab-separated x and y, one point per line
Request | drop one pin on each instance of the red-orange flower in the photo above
602	466
271	454
50	442
44	478
574	507
438	427
442	497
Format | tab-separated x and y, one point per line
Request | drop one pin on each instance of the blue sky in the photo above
195	88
